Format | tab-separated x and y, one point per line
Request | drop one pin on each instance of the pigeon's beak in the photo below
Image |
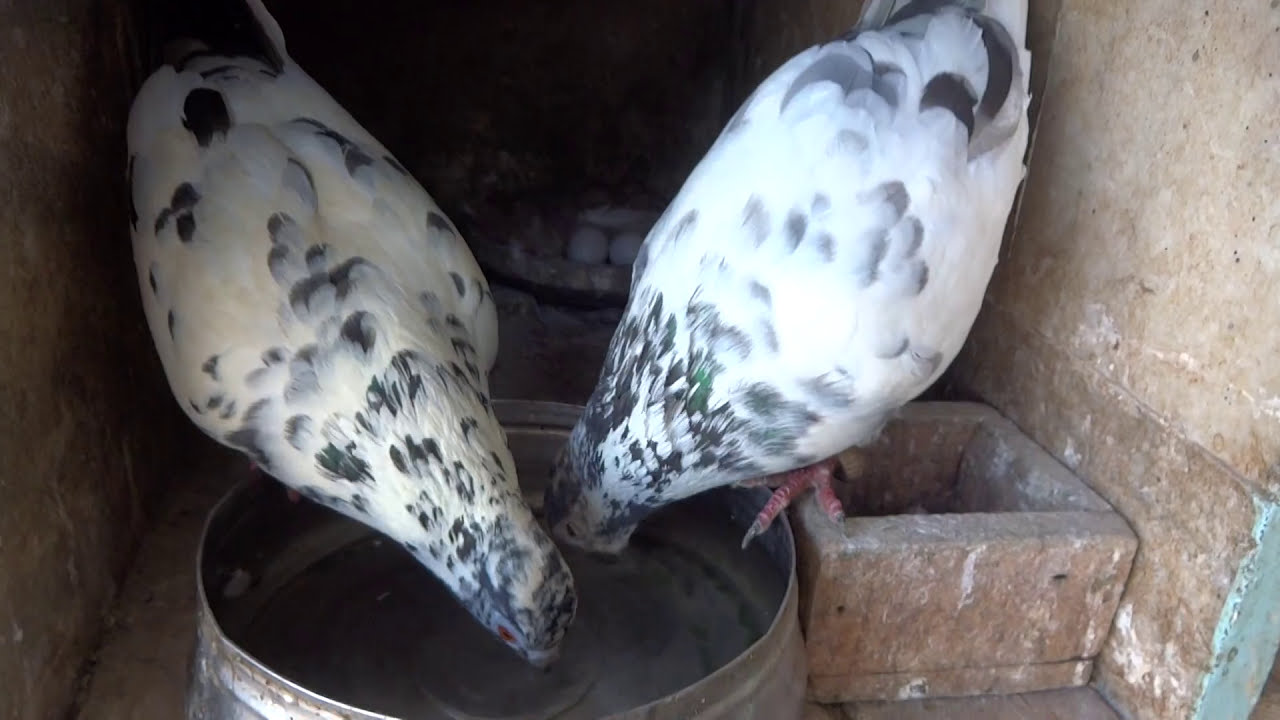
543	659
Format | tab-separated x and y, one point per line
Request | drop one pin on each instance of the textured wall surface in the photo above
1131	329
1131	325
83	409
486	102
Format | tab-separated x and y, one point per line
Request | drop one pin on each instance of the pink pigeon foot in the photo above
816	476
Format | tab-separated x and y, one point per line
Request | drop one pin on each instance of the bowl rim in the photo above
520	413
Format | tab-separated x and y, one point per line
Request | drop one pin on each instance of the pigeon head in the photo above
586	512
421	457
513	580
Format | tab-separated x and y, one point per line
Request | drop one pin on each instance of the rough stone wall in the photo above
85	418
1131	327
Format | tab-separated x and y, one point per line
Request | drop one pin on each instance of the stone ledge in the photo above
1007	581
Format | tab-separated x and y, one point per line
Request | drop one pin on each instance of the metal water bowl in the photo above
304	614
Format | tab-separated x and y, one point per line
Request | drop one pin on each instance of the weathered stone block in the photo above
972	562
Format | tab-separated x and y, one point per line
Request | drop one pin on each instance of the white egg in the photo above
625	246
588	244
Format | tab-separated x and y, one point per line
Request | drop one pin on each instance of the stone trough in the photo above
972	562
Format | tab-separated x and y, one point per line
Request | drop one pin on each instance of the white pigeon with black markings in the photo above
821	266
314	307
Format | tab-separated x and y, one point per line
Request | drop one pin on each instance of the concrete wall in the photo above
1132	329
83	412
1131	326
506	100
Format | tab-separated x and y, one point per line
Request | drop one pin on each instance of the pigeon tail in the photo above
223	27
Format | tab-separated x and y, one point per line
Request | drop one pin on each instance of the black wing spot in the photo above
398	459
302	292
438	222
850	70
315	257
684	226
892	193
459	283
886	81
246	439
359	503
922	277
281	227
182	202
344	463
278	263
796	226
273	356
1000	62
948	92
760	292
296	430
151	279
210	367
869	272
205	115
826	247
184	197
186	227
770	335
467	425
303	379
353	157
358	329
172	320
917	236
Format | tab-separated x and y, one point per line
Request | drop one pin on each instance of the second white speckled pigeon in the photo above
313	307
821	266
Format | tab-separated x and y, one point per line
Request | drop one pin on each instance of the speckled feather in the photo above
314	307
820	267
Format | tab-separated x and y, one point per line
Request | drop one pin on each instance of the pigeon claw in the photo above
818	477
753	532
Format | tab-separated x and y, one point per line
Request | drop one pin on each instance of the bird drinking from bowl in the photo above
313	307
821	266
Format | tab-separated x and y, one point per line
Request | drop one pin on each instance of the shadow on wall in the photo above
89	430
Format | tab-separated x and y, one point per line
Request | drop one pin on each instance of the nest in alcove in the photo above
564	249
517	117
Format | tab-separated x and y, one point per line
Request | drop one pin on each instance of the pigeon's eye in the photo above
507	636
